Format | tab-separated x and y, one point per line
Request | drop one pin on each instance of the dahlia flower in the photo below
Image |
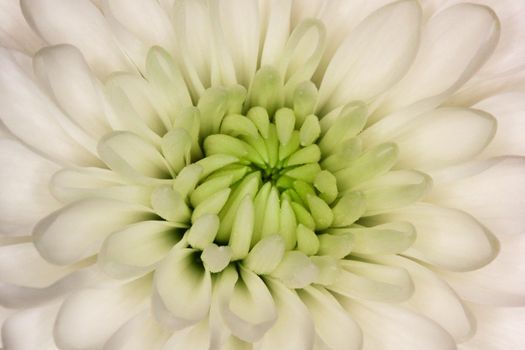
262	174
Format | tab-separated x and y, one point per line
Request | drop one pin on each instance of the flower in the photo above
238	174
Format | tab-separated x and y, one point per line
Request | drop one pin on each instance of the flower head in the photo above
238	174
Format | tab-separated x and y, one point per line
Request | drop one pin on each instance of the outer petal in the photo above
14	31
447	238
359	70
494	192
435	71
77	230
24	181
388	326
498	328
508	110
34	118
508	269
80	24
87	319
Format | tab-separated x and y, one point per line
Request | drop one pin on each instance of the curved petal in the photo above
184	288
24	180
30	329
447	238
507	269
435	72
493	192
80	24
67	77
137	248
444	137
290	311
333	325
435	299
388	326
88	318
498	328
15	33
31	116
139	333
77	230
508	110
359	69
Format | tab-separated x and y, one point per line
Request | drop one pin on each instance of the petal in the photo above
508	269
371	281
447	238
77	230
388	326
508	110
139	333
498	328
35	119
128	154
15	33
30	329
437	73
196	338
444	137
24	180
332	324
493	192
435	299
247	307
359	70
290	311
137	248
183	288
88	318
66	75
80	24
21	264
275	29
240	25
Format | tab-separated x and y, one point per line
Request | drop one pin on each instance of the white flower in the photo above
272	174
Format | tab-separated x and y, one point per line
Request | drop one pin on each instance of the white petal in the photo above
66	75
435	71
508	110
508	269
240	24
21	264
248	307
88	318
137	248
139	333
14	296
290	311
30	329
494	194
443	137
448	238
24	181
275	27
372	281
388	326
196	338
183	287
80	24
498	328
130	155
332	323
14	31
34	118
435	299
77	230
145	19
360	69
